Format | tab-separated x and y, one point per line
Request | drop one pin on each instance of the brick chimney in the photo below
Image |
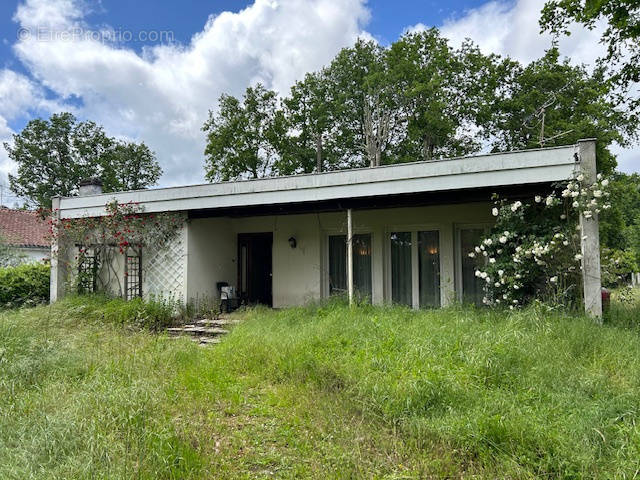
90	186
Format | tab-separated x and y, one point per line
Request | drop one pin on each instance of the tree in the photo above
132	166
441	93
54	155
362	104
308	118
622	35
242	137
550	102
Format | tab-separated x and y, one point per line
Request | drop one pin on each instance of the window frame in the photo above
326	263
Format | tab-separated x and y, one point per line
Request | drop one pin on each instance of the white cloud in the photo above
19	96
511	28
162	95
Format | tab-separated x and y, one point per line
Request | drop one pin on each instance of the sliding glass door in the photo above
415	268
429	258
362	282
401	274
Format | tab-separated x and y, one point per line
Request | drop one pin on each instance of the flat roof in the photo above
526	167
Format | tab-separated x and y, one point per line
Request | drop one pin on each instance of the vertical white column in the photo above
56	282
589	227
350	255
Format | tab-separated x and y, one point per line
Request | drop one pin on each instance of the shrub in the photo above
152	314
26	284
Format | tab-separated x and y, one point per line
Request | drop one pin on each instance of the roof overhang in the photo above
480	172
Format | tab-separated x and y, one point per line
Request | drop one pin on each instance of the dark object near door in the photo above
255	268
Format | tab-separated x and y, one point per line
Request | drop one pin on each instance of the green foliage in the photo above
26	284
320	392
550	102
418	99
54	155
616	267
620	226
622	35
151	314
132	166
533	252
241	136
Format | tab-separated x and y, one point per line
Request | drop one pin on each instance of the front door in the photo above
255	268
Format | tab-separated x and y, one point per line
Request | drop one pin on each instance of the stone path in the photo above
204	332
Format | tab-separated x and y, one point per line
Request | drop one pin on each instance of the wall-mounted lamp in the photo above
293	243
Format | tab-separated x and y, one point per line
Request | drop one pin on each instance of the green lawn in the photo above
323	392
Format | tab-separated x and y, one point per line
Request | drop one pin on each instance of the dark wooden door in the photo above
255	270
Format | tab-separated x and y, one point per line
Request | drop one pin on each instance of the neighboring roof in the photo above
526	167
23	228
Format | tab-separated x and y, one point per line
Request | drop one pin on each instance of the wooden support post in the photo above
590	234
350	255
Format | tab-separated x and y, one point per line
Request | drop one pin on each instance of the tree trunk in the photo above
319	153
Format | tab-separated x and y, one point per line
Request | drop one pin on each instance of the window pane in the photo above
401	284
472	286
362	265
429	258
337	264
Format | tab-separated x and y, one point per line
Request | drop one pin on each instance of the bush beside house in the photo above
26	284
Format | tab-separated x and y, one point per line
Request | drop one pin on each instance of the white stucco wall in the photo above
300	274
211	256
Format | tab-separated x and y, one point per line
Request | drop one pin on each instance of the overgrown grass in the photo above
320	392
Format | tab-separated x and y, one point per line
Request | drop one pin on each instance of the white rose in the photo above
549	201
495	212
578	256
472	255
597	193
503	239
553	279
605	183
576	204
538	199
580	178
492	260
501	272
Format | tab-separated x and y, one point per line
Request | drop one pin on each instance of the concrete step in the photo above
217	323
197	330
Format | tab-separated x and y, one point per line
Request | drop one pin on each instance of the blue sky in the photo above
160	92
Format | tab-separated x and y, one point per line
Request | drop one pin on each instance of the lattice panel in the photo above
163	272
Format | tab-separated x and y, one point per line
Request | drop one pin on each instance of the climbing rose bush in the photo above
534	248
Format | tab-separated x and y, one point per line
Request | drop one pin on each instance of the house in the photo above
283	241
27	233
